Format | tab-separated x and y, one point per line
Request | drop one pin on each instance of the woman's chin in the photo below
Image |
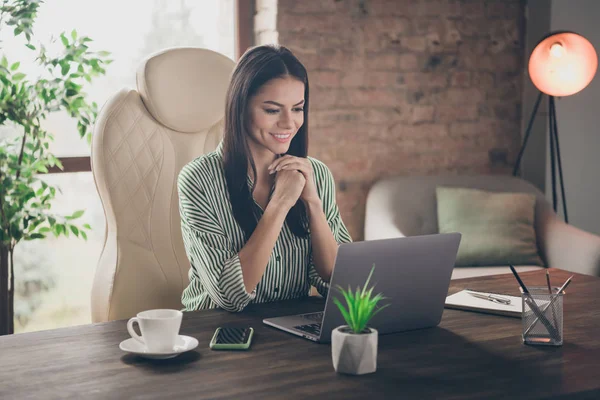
280	148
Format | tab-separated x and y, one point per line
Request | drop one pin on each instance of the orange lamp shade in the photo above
563	64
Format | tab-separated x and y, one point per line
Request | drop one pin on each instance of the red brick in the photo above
322	98
332	118
340	41
460	96
307	7
334	59
508	62
325	79
414	43
373	97
424	8
387	115
507	9
408	62
472	8
422	114
410	87
483	79
307	44
371	79
415	80
310	24
381	61
451	113
460	79
508	90
379	8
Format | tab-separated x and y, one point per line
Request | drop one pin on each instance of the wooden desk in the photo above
469	355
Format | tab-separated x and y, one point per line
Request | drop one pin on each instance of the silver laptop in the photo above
413	273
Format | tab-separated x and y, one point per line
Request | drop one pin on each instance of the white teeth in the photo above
282	136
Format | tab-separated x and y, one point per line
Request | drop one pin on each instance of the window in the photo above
53	277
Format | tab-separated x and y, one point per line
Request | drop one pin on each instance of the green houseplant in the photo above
25	199
354	346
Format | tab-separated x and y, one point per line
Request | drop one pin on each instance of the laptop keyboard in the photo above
317	316
314	329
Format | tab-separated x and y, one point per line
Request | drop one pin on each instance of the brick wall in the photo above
408	87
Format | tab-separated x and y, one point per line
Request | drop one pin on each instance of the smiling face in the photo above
277	112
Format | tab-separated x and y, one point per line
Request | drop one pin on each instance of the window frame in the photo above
244	38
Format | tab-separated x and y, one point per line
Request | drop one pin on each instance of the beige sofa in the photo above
406	206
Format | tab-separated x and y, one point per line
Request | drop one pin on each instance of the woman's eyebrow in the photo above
281	105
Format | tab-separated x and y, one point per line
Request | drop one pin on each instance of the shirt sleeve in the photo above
214	262
326	189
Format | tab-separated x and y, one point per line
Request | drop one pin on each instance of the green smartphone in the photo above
232	338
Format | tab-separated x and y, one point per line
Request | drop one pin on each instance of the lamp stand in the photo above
555	159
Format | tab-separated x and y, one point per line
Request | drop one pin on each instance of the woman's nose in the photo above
285	121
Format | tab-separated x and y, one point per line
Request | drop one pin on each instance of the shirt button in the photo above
278	258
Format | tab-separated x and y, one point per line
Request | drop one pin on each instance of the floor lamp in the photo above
561	64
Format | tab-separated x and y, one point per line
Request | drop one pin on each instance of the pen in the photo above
550	293
490	297
560	290
538	313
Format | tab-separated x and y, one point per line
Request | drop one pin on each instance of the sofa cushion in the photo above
470	272
496	228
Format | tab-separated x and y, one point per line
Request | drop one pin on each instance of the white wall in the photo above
578	119
578	116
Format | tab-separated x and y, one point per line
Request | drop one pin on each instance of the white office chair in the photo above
141	141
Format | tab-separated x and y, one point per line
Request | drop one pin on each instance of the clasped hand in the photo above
293	180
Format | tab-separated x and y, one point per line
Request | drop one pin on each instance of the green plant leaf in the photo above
15	66
345	313
64	40
30	46
77	214
74	34
74	230
84	235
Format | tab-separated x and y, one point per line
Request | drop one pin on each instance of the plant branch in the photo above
20	161
4	221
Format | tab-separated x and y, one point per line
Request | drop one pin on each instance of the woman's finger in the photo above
293	164
278	161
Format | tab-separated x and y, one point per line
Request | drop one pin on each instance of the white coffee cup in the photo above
159	328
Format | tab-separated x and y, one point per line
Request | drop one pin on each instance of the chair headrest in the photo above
184	88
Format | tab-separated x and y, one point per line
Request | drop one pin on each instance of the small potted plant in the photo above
354	346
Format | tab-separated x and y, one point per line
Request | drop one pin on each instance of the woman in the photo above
259	218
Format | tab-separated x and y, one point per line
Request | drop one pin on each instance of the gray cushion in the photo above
496	228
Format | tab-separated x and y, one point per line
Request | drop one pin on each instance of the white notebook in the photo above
464	301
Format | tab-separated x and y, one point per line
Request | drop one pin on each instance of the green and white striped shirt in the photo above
213	240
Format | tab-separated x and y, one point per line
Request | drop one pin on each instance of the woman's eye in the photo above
300	109
271	111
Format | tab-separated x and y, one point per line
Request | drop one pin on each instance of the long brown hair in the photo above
255	68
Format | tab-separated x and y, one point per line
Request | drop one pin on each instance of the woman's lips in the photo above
282	138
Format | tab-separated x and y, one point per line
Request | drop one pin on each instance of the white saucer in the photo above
183	344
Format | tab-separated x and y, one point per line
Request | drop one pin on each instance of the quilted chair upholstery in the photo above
141	141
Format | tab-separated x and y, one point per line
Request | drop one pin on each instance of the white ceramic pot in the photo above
354	354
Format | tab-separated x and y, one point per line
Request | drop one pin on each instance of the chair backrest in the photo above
141	141
409	202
